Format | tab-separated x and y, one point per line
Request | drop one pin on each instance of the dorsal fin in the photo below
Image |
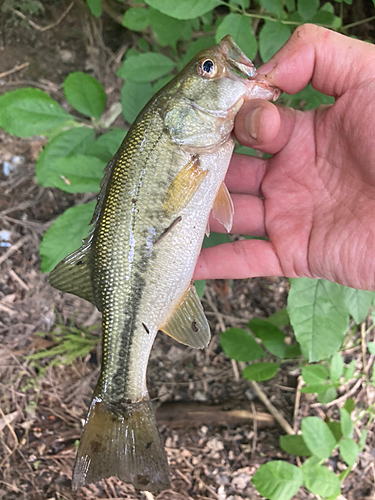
188	324
73	274
103	191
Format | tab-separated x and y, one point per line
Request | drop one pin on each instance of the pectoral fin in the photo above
188	324
222	209
184	186
73	274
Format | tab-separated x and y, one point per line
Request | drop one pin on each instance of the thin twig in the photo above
211	490
15	69
148	495
274	412
15	277
363	346
182	476
49	26
255	427
13	249
10	428
352	391
297	402
235	370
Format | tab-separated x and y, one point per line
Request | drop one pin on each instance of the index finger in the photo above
245	174
332	62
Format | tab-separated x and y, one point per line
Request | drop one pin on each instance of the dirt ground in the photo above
42	407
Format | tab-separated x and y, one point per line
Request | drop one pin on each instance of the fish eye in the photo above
207	68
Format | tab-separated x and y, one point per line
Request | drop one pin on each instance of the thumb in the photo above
332	62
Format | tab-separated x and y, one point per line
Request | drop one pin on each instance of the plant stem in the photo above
358	23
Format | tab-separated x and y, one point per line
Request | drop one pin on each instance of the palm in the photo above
320	194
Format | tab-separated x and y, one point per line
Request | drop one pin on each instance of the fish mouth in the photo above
235	58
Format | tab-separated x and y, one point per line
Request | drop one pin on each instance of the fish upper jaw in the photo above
235	58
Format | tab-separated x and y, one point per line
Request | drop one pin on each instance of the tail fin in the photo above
122	440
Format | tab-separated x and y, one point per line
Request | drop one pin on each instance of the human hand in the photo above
315	198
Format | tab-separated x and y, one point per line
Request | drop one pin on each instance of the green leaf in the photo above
320	480
134	97
194	47
161	83
71	142
327	396
85	94
362	439
349	405
307	8
292	351
278	480
145	67
315	374
261	371
239	345
241	30
143	45
168	30
346	423
75	174
349	451
358	302
279	318
290	5
183	9
272	36
215	239
294	445
335	428
244	150
349	371
323	17
200	286
315	388
27	112
308	98
245	4
95	7
65	235
318	315
337	367
272	338
318	437
136	18
107	144
371	348
273	6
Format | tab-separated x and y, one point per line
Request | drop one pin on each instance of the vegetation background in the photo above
73	77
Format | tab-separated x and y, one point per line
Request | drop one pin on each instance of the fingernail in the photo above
266	68
252	122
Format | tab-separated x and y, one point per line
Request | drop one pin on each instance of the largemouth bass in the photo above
137	264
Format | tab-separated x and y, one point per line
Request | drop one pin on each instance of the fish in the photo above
136	265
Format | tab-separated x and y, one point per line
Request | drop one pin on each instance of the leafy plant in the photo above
318	439
167	34
69	342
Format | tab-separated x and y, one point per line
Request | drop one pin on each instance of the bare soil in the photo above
42	407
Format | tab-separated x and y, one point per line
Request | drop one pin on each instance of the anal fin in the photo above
188	324
73	274
222	209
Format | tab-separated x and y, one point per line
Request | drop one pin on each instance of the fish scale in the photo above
138	262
